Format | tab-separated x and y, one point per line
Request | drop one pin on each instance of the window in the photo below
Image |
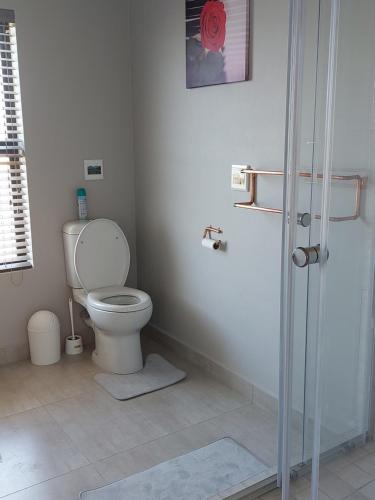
15	235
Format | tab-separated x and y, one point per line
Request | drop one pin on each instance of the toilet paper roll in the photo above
210	244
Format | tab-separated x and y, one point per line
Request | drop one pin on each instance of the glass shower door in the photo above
328	278
340	295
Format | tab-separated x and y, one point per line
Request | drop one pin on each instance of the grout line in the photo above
43	405
51	479
70	440
21	412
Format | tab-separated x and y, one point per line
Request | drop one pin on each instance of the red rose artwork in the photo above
213	25
217	42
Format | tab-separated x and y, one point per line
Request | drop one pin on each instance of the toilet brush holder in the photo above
73	345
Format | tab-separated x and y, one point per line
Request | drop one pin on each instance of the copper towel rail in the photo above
251	204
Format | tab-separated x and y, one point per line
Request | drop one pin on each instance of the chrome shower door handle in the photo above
306	256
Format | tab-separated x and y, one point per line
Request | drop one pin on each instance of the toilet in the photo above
97	260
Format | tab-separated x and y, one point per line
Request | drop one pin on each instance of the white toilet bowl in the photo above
118	315
101	258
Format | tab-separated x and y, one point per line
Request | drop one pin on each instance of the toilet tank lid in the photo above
74	227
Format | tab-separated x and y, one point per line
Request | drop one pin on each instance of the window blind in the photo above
15	233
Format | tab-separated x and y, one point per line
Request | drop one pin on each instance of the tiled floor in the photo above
60	433
349	477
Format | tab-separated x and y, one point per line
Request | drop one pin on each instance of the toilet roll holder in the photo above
207	234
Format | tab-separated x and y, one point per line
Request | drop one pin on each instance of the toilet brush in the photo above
73	344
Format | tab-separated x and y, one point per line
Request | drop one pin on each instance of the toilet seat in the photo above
119	299
101	255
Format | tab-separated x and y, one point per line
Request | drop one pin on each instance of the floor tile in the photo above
101	426
370	447
301	484
333	486
157	451
367	464
358	453
34	449
368	491
187	405
216	395
57	420
169	411
355	476
16	371
160	450
356	496
53	383
306	495
273	495
15	398
66	487
338	463
255	428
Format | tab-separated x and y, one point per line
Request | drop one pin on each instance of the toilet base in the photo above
120	354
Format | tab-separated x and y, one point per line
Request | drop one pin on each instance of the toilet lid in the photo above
102	255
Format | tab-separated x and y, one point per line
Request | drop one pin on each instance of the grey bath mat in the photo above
198	475
156	374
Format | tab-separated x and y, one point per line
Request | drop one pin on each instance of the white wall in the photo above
74	67
225	305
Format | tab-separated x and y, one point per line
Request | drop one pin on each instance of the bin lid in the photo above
43	322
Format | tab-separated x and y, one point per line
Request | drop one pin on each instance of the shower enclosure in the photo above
328	258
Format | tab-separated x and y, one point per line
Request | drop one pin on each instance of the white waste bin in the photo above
44	338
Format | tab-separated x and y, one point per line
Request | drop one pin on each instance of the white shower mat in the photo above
156	374
198	475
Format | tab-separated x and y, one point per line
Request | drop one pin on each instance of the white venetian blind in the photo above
15	235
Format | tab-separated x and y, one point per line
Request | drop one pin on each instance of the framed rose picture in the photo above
217	42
